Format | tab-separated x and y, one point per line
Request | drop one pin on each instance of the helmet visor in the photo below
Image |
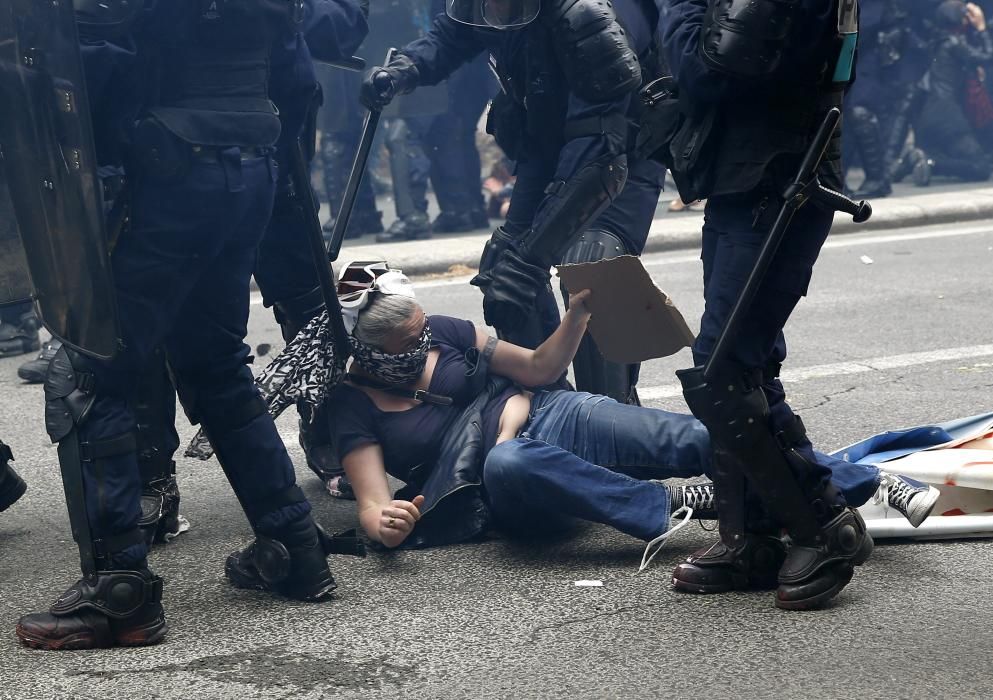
493	14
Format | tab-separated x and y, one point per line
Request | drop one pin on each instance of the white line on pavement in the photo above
659	259
836	369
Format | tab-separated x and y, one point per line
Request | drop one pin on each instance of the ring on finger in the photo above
391	522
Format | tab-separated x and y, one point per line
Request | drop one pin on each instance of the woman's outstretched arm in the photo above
547	363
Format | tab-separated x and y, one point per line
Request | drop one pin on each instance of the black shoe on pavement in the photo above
293	562
873	189
362	223
754	565
455	222
20	338
114	609
815	572
412	227
34	371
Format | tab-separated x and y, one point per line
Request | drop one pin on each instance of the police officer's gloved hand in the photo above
383	83
510	290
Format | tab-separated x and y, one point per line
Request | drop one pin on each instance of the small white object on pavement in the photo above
866	260
589	583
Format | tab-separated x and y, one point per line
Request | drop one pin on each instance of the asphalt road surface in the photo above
896	338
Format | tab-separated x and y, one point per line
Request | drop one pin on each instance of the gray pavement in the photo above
503	619
907	206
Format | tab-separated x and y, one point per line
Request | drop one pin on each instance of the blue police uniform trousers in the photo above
730	248
182	275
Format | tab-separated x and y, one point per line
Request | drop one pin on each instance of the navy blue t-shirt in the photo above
412	437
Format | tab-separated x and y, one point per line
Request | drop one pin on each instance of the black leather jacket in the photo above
455	507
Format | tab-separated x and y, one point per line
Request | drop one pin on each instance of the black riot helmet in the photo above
493	14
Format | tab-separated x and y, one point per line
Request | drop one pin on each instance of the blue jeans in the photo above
588	457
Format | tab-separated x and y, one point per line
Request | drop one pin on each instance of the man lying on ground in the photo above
440	405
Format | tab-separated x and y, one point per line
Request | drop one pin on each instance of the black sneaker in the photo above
34	371
914	500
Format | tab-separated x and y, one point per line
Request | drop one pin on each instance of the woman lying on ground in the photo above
438	404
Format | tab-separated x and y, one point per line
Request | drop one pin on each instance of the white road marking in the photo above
837	369
792	376
661	259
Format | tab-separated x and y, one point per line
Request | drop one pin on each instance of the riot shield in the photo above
46	141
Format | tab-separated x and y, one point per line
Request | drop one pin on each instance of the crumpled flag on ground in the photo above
956	457
306	370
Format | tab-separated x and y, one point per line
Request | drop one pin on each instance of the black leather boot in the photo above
110	609
292	562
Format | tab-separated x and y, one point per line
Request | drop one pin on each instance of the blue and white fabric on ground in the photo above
956	457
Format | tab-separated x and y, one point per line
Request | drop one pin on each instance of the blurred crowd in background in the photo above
920	109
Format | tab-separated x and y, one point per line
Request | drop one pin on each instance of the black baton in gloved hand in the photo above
805	186
344	215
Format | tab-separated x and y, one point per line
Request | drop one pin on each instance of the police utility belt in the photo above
164	156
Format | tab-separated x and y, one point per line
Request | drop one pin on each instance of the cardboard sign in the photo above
633	320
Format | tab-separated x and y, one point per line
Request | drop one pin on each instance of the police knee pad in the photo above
70	391
593	245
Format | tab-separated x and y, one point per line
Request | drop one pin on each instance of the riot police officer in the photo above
568	69
753	87
204	177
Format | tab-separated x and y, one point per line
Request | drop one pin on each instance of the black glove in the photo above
510	289
383	83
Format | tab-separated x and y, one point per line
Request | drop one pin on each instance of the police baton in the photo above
315	237
344	214
804	187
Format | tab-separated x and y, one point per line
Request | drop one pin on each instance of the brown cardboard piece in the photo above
633	320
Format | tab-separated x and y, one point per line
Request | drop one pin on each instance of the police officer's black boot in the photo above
12	486
120	608
415	226
118	601
19	333
291	561
827	539
750	552
865	129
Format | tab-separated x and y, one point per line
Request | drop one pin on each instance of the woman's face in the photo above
407	335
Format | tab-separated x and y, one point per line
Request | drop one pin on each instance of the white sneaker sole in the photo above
920	506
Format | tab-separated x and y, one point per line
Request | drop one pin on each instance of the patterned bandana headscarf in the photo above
402	368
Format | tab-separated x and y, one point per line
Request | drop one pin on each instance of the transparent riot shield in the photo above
49	160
